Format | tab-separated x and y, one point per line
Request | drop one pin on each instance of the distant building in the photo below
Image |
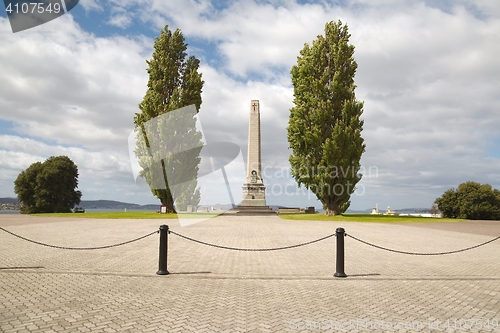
375	210
390	212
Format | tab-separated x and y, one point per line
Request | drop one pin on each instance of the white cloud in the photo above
120	18
251	36
90	5
71	87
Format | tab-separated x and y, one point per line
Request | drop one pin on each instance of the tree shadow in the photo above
34	267
189	273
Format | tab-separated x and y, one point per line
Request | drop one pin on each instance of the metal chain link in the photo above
79	248
423	254
246	249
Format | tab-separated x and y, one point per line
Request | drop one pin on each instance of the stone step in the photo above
253	210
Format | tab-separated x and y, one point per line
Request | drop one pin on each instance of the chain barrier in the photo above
78	248
423	254
252	250
248	249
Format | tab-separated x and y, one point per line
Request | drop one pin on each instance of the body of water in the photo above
9	212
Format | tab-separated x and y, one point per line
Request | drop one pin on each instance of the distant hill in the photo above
382	210
111	204
413	210
9	200
98	204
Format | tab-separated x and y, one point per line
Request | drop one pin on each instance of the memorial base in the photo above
254	195
254	201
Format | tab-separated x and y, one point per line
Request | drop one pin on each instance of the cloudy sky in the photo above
428	73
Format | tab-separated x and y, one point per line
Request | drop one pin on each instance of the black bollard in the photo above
340	253
162	265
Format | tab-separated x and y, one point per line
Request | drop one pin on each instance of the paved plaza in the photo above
210	289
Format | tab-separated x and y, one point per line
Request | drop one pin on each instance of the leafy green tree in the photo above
174	82
471	200
324	128
25	185
48	187
448	204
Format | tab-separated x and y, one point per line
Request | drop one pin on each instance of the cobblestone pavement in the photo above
215	290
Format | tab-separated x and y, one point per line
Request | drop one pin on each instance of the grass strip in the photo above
126	215
366	218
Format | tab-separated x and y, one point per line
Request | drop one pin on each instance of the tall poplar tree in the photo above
174	82
324	129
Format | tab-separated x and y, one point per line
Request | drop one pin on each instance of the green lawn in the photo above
309	217
365	218
126	215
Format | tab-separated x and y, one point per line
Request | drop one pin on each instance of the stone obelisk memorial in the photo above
254	190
